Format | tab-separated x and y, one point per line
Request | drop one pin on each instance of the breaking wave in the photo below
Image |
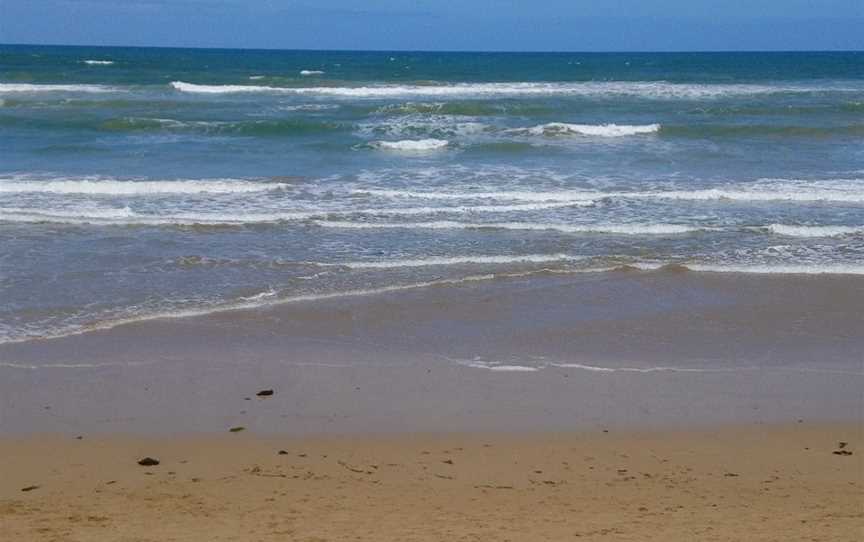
650	90
412	145
27	87
815	231
594	130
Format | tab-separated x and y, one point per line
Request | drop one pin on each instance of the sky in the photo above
462	25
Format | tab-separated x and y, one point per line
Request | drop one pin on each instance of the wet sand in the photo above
615	350
736	483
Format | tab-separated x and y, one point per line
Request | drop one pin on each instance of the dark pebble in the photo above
265	393
148	462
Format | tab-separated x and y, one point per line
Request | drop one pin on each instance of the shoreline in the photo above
753	482
627	350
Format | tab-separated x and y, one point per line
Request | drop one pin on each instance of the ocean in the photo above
139	183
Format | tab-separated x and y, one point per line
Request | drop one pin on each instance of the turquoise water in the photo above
142	182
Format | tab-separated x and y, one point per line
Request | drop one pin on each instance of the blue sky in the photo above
514	25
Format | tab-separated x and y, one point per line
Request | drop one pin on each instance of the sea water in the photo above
140	183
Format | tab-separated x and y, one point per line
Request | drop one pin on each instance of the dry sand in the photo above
782	483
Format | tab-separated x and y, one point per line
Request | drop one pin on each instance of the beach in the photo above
748	482
353	418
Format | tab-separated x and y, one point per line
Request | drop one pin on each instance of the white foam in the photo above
594	130
814	231
651	90
412	145
26	87
126	217
600	369
98	62
764	190
804	195
619	229
465	209
783	269
461	260
572	196
311	72
414	125
504	368
109	187
791	190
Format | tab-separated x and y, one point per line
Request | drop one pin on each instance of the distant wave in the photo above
134	188
26	87
621	229
309	107
311	72
412	145
652	90
596	130
815	231
98	62
270	127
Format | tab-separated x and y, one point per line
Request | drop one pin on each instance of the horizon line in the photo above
474	51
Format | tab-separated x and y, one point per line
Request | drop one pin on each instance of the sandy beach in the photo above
792	482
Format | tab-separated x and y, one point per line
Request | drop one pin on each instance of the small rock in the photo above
283	452
29	488
265	393
448	461
148	462
842	445
842	452
237	429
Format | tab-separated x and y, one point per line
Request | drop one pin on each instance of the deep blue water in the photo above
138	182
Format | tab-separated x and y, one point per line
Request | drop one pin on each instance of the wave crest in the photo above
412	145
594	130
